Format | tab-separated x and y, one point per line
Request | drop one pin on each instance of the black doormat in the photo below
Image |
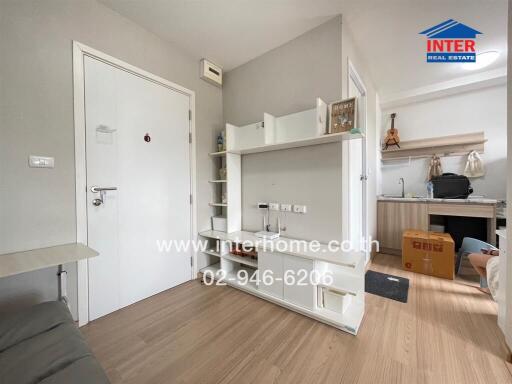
388	286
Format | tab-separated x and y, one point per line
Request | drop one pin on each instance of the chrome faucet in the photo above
401	181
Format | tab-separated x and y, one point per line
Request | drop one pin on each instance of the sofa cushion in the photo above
22	325
42	344
84	371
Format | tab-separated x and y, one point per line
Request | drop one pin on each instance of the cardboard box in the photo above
430	253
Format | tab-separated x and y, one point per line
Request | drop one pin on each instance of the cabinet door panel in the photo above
303	295
272	262
394	218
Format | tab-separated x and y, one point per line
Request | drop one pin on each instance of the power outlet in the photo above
274	206
286	207
299	208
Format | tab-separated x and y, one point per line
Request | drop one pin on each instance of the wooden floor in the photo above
446	333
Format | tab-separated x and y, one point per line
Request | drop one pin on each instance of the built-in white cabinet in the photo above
289	278
300	291
269	261
297	271
294	280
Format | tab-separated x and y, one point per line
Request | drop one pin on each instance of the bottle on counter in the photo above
430	190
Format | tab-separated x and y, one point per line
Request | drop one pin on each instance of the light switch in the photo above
274	206
41	162
299	208
286	207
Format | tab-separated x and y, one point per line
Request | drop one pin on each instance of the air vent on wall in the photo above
211	73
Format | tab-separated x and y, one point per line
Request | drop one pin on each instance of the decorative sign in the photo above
343	115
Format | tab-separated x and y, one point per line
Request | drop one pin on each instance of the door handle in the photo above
95	189
101	191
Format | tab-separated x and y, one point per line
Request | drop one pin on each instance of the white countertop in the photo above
26	261
476	200
350	259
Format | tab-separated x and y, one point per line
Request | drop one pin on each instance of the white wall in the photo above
479	110
37	206
288	78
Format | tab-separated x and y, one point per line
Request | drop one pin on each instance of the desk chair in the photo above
470	245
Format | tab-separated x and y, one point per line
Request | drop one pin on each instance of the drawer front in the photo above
301	269
468	210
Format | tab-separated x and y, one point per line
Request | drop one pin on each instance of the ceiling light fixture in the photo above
482	60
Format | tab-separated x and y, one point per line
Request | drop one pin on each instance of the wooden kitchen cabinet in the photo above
395	217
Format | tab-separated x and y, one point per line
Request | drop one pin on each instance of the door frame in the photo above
80	51
358	82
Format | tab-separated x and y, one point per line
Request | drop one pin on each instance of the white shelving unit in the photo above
306	128
325	139
346	269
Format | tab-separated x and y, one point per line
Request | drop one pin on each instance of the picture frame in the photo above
343	115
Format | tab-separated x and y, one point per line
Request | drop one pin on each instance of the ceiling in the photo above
232	32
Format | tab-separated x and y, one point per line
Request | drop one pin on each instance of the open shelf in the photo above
217	154
242	260
217	181
212	252
231	278
442	146
325	139
218	205
345	282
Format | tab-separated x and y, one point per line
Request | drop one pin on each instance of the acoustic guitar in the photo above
392	137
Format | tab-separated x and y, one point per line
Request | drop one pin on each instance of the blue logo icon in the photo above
451	42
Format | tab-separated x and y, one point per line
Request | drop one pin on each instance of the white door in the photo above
137	142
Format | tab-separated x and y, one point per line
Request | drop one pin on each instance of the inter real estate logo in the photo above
451	42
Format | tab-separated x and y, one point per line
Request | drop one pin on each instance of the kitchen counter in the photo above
397	214
476	200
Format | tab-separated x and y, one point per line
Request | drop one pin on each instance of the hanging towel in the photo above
474	165
435	168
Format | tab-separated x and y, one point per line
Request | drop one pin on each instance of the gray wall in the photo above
37	207
288	78
282	81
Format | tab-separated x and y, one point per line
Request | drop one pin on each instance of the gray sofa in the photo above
43	345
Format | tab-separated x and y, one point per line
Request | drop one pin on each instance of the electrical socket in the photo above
273	206
299	208
286	207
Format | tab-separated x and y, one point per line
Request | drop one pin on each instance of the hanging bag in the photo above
474	165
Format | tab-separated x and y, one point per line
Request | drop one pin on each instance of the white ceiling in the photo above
232	32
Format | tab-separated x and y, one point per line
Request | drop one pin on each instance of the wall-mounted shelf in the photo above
454	145
325	139
217	181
